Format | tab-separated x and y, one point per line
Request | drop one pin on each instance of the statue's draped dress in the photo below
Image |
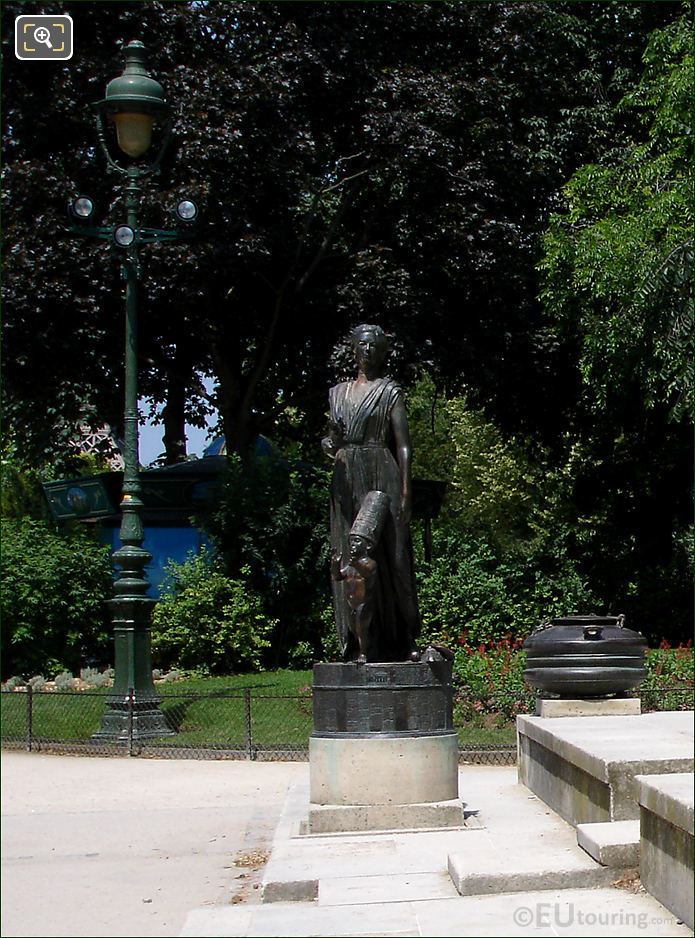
366	463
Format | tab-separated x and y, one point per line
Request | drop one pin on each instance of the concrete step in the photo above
521	874
584	767
667	825
614	844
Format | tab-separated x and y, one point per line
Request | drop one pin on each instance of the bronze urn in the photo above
585	656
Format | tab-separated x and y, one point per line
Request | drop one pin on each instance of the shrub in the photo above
558	528
208	621
474	589
20	495
14	681
489	680
497	667
272	521
64	681
55	586
493	485
93	678
301	657
330	649
667	666
172	676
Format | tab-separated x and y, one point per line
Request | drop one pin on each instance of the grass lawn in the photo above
271	682
56	716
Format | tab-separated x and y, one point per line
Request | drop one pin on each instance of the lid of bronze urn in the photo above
563	631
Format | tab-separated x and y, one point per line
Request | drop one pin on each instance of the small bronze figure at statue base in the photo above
360	571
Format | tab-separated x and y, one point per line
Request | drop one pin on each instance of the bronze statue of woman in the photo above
369	443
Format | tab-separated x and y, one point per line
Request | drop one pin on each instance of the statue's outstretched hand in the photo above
335	566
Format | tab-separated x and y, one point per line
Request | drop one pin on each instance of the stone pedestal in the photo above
383	754
598	707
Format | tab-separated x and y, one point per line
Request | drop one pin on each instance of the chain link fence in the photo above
249	723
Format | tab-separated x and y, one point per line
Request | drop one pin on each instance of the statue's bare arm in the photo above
401	435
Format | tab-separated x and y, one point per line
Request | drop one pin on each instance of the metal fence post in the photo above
130	698
30	717
248	725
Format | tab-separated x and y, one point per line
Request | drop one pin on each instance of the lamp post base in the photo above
132	707
132	718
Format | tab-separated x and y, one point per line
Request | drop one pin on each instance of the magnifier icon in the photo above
43	34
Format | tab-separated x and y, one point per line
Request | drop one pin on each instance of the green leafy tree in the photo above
619	259
618	292
380	161
20	489
502	548
394	162
472	592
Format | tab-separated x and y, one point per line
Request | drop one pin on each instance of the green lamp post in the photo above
134	102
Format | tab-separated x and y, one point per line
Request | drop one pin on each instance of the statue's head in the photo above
370	344
368	525
359	547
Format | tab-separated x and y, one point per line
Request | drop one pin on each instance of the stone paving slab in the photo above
570	912
575	913
116	847
514	843
95	834
473	879
671	797
300	865
666	841
391	887
271	921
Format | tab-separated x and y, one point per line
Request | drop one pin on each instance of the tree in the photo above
389	162
392	162
618	294
271	522
619	258
502	558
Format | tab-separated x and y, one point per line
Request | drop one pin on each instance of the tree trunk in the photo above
237	424
174	411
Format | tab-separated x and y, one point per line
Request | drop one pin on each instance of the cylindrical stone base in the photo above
383	754
383	770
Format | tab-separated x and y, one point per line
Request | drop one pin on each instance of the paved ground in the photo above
127	847
134	847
